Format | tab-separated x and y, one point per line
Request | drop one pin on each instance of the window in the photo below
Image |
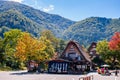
72	56
79	58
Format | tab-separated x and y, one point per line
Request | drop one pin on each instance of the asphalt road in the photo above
23	75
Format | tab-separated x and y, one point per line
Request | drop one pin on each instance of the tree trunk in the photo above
113	62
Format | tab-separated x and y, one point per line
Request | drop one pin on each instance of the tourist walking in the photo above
116	72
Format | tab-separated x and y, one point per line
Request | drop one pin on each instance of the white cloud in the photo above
35	4
16	0
49	8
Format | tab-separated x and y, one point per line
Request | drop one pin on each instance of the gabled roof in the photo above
80	49
93	43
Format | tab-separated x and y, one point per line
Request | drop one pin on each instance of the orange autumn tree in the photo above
114	45
29	48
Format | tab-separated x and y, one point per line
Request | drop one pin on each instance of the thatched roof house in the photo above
75	52
74	59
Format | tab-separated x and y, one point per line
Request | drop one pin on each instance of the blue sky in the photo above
77	9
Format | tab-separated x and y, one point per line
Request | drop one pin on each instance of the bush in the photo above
4	68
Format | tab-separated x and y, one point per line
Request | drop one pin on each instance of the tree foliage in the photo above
2	56
50	36
114	46
49	49
114	43
29	48
110	51
9	44
29	19
92	29
103	50
17	47
105	53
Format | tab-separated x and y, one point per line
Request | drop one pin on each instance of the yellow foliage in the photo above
29	48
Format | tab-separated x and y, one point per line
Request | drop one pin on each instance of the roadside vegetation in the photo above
109	51
17	48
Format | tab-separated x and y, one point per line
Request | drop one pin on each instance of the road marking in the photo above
73	79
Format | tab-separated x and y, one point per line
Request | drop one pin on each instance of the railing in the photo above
86	78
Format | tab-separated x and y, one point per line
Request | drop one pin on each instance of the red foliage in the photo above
114	43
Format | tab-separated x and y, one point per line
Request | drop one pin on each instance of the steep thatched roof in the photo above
80	49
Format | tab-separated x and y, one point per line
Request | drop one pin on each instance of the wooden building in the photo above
92	50
32	66
95	57
74	59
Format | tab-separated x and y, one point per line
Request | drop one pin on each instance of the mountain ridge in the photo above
49	21
14	19
92	29
20	16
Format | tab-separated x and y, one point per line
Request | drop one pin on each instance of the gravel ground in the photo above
23	75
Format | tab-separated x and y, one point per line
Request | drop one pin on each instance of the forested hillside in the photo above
13	19
92	29
37	18
34	21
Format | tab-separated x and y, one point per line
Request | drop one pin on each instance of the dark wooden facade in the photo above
58	66
92	50
74	59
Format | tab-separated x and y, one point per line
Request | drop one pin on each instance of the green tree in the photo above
109	56
2	53
103	50
49	47
49	36
10	41
62	45
114	46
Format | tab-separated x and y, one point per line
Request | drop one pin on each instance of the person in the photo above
107	72
98	70
116	72
103	70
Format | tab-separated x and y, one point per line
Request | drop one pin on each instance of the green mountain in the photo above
92	29
34	20
13	19
15	15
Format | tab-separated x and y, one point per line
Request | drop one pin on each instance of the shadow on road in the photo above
23	73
